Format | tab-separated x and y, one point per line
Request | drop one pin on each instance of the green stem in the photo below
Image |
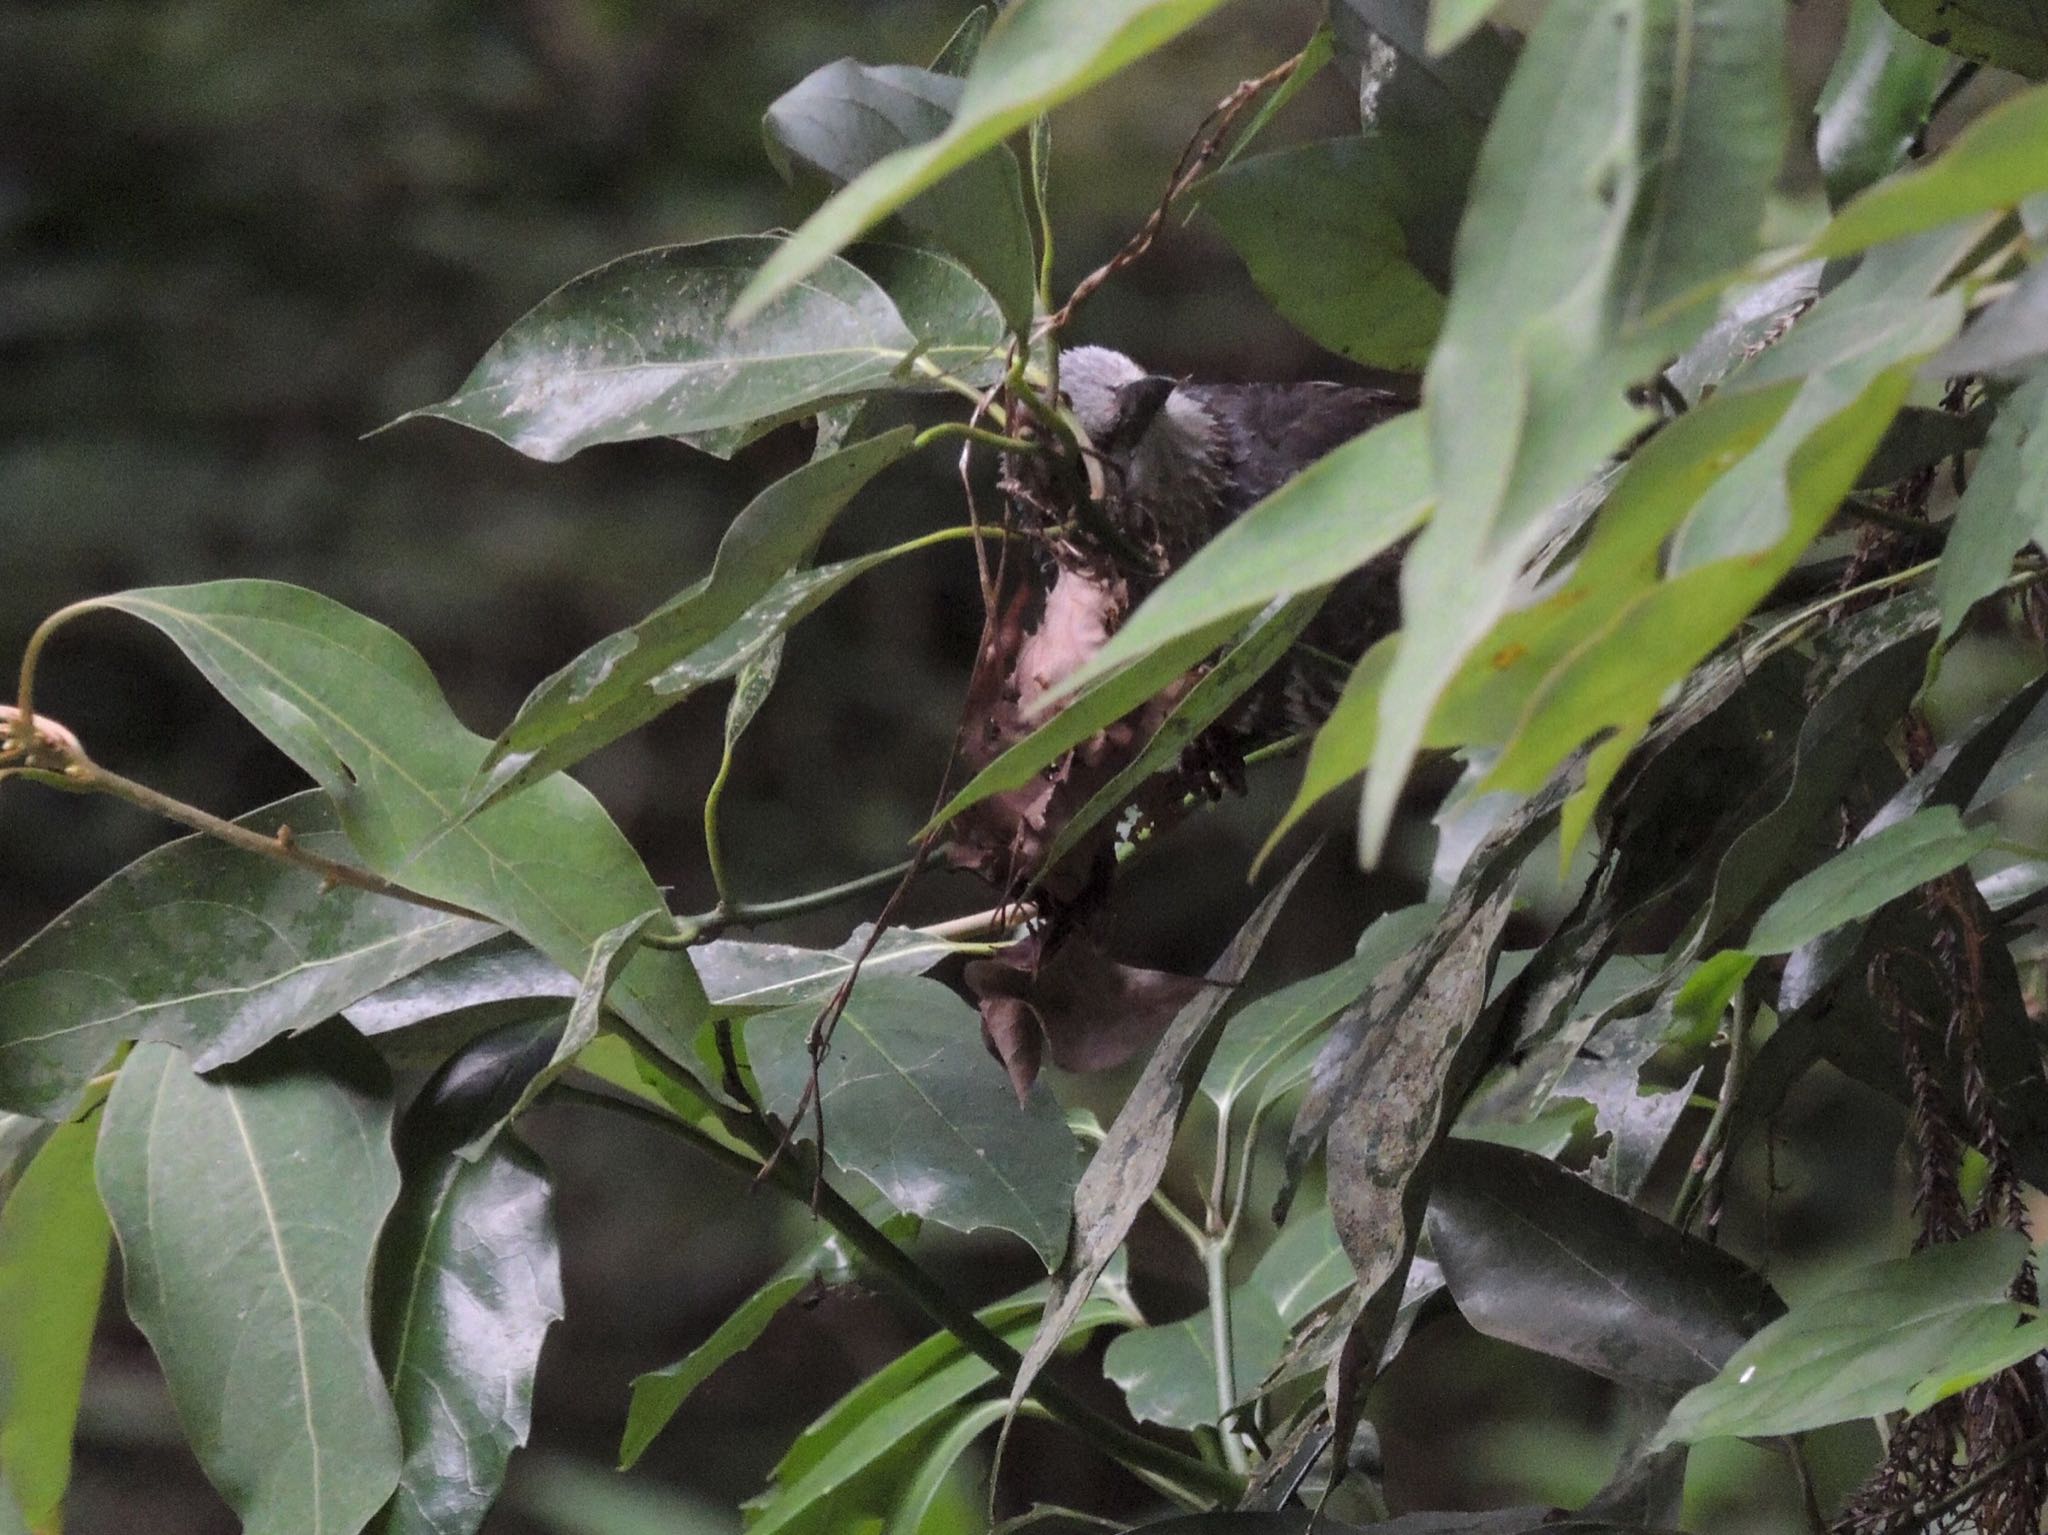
1709	1160
24	733
1041	156
714	843
950	429
1196	1483
1215	1265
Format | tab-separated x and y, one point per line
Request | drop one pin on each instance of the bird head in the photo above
1160	444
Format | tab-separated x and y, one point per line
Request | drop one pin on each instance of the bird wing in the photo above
1273	431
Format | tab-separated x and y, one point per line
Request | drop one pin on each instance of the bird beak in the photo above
1137	403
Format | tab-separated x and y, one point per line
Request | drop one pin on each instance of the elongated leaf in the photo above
1862	1344
354	706
914	1105
624	680
1866	875
53	1264
1038	54
1304	1267
840	119
1496	693
1168	1373
1537	1257
1636	140
141	957
2004	33
1236	672
1744	527
1876	99
1467	78
1316	226
739	975
2009	337
829	1481
641	347
957	57
1381	1141
247	1207
1128	1164
1443	981
2002	509
1262	1033
1102	705
608	957
659	1394
1339	512
921	1497
468	1282
1993	165
957	325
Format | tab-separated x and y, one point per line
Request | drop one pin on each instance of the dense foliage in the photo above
1727	454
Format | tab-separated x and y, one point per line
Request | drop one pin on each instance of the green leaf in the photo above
2008	338
1132	1158
738	974
1537	1257
1626	167
956	321
918	1500
354	705
641	347
468	1281
608	957
247	1207
840	119
1866	875
957	57
2002	510
1317	227
1102	705
1303	1268
1863	1343
1876	100
1341	511
1343	746
1743	523
1466	80
658	1394
2003	33
1985	1351
914	1105
1168	1373
1993	165
1264	1032
629	678
53	1264
1038	54
877	1433
1264	644
209	948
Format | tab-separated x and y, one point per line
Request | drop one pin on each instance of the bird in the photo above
1166	465
1179	461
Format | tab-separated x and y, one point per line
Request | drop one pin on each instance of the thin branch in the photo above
56	758
1200	1485
1194	160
